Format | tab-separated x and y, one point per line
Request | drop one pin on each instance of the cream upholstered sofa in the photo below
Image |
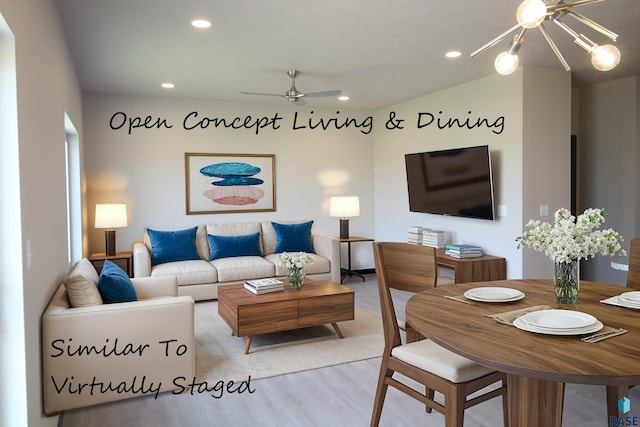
200	276
96	353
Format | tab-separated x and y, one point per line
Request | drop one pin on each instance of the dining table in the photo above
537	365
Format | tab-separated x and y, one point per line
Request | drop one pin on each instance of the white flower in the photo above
294	261
570	239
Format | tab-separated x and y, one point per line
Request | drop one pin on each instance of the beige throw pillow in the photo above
82	292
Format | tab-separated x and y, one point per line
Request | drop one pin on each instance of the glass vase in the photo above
567	281
296	278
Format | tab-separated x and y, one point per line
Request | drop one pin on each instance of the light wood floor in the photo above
334	396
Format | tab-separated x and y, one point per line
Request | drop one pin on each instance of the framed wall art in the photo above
229	183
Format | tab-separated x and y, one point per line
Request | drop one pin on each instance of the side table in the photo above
348	272
123	259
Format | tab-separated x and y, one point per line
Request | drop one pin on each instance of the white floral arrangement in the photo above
294	261
569	239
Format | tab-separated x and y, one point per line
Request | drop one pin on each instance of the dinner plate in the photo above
628	303
494	294
521	323
633	297
559	319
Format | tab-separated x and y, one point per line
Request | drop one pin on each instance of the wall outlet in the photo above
544	210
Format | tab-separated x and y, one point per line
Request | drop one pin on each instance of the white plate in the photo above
520	323
559	319
632	297
494	294
628	303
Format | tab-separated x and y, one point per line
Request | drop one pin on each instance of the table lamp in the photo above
111	216
344	207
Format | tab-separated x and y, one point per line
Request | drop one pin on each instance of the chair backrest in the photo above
405	267
633	275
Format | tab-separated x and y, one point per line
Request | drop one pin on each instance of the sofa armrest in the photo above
154	287
329	247
115	343
141	260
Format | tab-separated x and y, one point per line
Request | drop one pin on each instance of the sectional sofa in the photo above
205	256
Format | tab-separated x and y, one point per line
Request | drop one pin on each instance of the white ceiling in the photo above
377	52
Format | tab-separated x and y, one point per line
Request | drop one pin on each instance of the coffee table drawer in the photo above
266	318
326	309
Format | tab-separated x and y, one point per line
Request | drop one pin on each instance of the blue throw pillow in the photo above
230	246
293	237
114	285
169	246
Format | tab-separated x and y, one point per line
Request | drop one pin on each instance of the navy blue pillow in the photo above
169	246
114	285
293	237
230	246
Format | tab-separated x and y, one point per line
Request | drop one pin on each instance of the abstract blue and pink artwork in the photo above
221	183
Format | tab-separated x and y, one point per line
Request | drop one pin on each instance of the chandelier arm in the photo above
579	3
599	28
553	46
495	40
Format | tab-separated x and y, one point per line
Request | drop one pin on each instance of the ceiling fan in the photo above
293	94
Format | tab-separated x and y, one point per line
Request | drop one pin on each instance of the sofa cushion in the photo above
233	246
243	268
319	265
293	237
82	292
187	272
170	246
85	268
114	284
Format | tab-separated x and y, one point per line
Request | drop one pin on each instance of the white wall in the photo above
491	97
609	155
46	89
145	169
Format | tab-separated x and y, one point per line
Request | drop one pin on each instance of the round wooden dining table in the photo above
537	365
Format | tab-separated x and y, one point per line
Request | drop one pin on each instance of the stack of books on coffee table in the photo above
418	235
264	286
463	251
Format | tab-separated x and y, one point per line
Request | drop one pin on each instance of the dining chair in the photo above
424	361
633	274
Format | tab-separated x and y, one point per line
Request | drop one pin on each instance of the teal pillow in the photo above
230	246
293	237
170	246
114	285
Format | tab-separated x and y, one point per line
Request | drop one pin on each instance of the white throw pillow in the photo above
82	292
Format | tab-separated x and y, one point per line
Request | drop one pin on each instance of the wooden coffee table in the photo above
317	303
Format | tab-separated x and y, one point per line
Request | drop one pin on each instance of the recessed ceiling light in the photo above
201	23
343	98
168	85
453	54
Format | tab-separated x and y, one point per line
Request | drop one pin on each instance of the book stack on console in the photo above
463	251
426	237
264	286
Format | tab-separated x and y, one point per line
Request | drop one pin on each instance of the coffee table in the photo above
318	302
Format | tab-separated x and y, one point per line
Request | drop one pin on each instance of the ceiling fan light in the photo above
531	13
605	58
506	63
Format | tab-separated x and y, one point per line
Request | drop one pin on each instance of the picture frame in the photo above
229	183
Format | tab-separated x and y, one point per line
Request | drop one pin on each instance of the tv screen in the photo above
451	182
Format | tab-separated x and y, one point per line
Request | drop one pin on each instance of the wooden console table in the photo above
477	269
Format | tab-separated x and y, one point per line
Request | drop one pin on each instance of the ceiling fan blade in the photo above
263	94
323	93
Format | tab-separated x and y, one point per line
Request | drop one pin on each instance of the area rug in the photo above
220	356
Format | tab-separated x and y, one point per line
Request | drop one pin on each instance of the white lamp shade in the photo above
111	215
344	206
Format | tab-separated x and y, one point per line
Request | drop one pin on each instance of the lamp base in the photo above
344	228
110	242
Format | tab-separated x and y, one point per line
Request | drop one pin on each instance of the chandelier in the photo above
533	13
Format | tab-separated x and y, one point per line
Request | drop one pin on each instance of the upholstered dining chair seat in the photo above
432	357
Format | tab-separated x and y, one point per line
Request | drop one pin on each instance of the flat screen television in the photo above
453	182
